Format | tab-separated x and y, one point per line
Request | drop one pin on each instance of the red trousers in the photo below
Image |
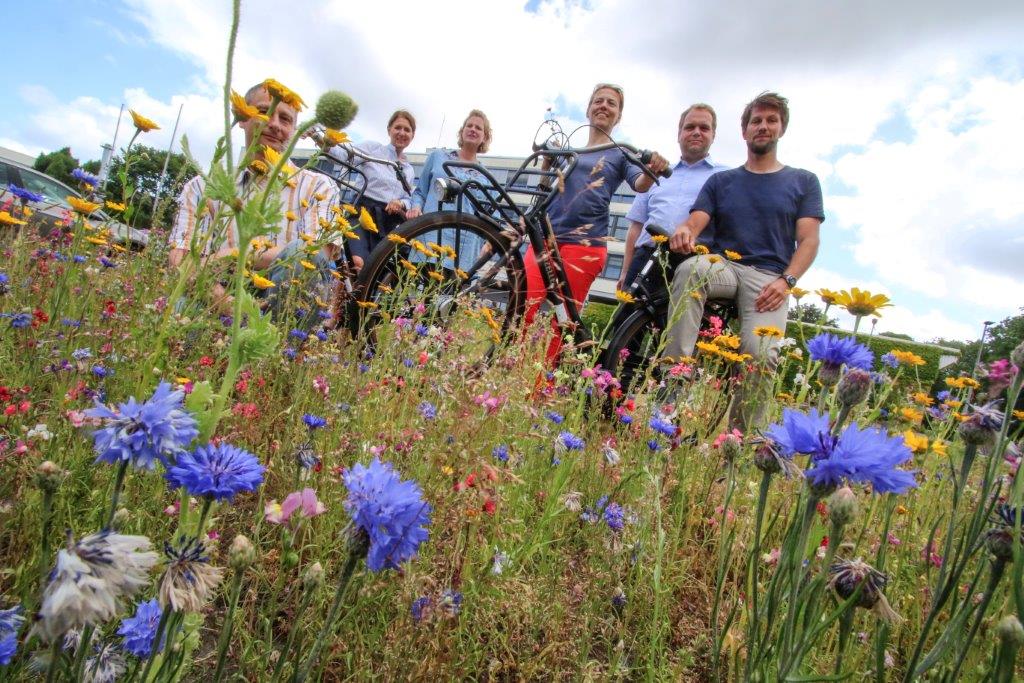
582	266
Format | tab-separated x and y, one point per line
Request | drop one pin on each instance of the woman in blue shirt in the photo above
474	138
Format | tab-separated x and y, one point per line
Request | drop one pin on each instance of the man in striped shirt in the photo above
307	199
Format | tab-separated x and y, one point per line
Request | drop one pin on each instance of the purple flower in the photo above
420	606
144	432
391	513
569	442
428	410
662	426
83	176
450	602
220	472
23	194
290	353
554	417
890	360
10	623
313	421
614	515
859	455
138	631
299	334
20	321
836	351
500	452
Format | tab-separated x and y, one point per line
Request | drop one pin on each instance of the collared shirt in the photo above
306	198
668	203
381	183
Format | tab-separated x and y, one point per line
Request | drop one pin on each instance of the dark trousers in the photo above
641	255
385	222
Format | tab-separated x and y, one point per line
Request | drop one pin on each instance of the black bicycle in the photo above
637	327
469	261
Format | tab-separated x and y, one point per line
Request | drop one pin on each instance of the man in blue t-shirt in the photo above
767	218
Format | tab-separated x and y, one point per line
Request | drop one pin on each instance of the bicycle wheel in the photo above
448	269
631	348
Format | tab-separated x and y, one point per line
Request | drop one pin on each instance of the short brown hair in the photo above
705	107
403	114
769	100
486	144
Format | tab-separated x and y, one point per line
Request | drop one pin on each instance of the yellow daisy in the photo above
8	219
862	302
261	282
768	331
917	443
142	123
732	255
82	206
244	111
624	297
115	206
283	93
907	357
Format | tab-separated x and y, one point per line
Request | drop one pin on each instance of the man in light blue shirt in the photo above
668	203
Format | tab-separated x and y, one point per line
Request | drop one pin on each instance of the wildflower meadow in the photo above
197	492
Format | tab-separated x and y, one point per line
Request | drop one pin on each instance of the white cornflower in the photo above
40	431
106	666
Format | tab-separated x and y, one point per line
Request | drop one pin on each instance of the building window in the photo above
613	268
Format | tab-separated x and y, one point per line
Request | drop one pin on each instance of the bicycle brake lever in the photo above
645	158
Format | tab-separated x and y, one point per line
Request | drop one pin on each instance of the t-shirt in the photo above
755	214
579	214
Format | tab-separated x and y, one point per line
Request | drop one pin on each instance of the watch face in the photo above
790	280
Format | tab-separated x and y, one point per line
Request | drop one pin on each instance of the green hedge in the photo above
596	315
881	345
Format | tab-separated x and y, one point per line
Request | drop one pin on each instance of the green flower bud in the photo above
336	110
1010	631
242	553
314	576
842	506
290	559
49	476
1017	356
854	387
121	518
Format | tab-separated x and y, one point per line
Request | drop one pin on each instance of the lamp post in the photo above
981	346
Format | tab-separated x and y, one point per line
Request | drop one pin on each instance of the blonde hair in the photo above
403	114
486	144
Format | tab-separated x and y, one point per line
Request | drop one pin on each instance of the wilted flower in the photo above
999	539
769	457
854	387
144	432
89	579
391	513
106	666
137	632
189	579
982	423
220	472
849	575
498	562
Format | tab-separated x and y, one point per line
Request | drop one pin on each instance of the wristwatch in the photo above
790	280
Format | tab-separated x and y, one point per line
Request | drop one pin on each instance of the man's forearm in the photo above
803	257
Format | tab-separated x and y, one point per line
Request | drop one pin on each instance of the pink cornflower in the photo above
321	386
304	502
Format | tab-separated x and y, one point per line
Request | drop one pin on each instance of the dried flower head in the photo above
847	576
189	579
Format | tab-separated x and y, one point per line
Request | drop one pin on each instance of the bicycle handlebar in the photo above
638	157
655	230
354	151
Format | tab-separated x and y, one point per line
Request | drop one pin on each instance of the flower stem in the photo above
122	469
55	657
157	638
229	623
325	632
292	632
752	569
998	565
845	626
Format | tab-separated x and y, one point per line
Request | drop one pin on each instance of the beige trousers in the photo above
726	280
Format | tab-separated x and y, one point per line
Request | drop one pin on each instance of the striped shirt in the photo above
381	183
306	198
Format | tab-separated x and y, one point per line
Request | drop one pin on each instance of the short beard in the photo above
762	148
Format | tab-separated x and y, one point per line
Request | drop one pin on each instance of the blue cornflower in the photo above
101	371
313	421
138	631
321	335
323	313
653	445
619	599
450	601
834	351
84	176
422	329
857	455
890	360
20	321
662	426
390	512
554	417
81	354
10	623
362	367
407	362
70	323
626	419
943	395
420	606
107	263
428	410
500	452
290	353
570	441
220	472
4	282
23	194
299	334
144	432
614	515
79	258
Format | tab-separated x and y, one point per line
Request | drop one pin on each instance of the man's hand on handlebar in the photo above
682	241
414	212
657	164
395	206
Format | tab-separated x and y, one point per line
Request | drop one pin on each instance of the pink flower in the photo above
490	403
735	436
304	502
321	385
76	417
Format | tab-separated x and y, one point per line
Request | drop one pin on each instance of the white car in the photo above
50	213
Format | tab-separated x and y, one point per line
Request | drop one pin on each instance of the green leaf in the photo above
200	403
220	186
256	220
261	338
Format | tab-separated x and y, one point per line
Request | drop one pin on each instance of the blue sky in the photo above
908	112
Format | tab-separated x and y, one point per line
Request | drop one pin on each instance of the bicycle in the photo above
423	264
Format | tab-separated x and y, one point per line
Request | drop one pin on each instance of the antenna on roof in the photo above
440	131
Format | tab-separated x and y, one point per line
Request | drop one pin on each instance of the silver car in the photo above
50	213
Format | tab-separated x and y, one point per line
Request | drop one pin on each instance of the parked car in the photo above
52	211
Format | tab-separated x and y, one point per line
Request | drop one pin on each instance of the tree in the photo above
809	313
1000	340
58	165
144	177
